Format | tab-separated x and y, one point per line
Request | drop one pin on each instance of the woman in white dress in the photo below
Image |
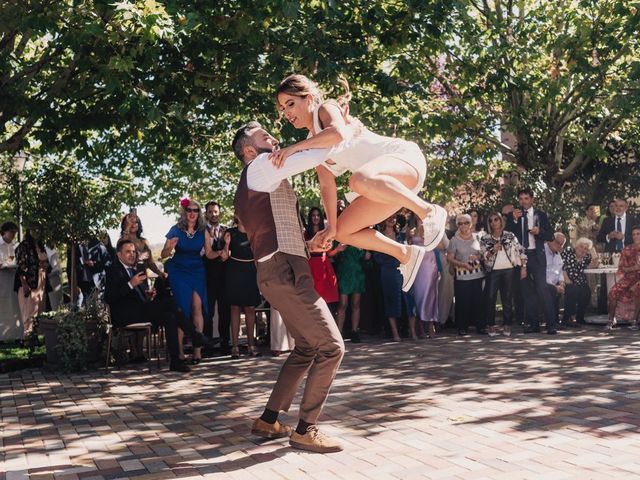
387	174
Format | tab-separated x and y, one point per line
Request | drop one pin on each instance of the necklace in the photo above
191	234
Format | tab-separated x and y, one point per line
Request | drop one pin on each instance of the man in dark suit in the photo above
214	271
615	232
531	227
130	303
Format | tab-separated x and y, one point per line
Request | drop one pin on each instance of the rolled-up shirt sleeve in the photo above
262	176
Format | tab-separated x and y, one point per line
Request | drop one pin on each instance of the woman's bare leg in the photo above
342	311
394	329
389	180
250	320
198	320
353	228
355	311
235	325
613	303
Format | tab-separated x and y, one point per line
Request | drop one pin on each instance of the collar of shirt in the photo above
125	266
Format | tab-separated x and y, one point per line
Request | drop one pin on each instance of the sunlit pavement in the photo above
535	406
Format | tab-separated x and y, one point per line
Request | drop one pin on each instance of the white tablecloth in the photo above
11	327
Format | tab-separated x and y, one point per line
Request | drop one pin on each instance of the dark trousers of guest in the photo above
470	306
576	301
536	293
216	297
516	295
499	280
555	302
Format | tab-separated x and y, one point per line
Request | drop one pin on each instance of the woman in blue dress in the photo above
185	268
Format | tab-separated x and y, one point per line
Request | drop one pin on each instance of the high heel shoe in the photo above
432	329
195	361
235	353
254	352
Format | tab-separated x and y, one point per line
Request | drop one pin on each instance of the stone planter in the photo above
48	326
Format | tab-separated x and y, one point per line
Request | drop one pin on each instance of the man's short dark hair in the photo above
212	203
8	227
241	139
526	191
121	243
589	205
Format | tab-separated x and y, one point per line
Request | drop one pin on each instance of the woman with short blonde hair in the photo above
577	293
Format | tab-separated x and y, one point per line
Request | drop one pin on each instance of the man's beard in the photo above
263	150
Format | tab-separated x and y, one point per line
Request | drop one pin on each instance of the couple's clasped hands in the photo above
322	241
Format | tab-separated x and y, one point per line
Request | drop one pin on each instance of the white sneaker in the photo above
434	225
410	269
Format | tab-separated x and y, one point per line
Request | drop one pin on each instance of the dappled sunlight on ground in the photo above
444	408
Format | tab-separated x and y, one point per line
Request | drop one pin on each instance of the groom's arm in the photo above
262	176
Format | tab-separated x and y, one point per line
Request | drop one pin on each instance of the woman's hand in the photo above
278	157
326	236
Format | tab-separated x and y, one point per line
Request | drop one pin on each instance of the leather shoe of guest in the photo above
314	441
263	429
551	332
200	340
179	366
531	330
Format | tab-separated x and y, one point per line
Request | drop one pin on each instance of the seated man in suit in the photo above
129	303
555	276
615	232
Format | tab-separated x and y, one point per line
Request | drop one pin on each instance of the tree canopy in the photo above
151	91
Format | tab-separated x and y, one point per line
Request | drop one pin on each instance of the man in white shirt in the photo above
8	232
555	276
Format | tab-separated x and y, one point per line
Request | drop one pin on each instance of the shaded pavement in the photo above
530	406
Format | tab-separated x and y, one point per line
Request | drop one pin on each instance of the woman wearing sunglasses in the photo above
501	252
186	270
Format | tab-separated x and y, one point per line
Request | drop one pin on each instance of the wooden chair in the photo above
134	327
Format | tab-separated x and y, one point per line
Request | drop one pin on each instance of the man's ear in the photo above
249	152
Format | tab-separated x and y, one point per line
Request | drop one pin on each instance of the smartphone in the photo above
133	210
140	268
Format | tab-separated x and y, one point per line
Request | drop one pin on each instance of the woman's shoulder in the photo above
174	231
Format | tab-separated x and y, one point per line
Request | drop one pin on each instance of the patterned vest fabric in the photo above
272	220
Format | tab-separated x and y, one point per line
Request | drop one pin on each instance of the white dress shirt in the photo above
531	223
262	176
623	223
554	266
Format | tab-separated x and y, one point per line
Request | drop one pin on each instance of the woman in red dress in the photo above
627	289
324	277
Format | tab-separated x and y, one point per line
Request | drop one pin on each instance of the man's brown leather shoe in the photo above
270	430
314	441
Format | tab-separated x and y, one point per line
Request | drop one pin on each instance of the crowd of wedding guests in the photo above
491	272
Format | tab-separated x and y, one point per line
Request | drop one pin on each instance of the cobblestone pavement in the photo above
530	406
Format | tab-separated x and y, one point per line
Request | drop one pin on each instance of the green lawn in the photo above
14	351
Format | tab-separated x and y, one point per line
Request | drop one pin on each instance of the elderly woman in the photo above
577	293
501	252
465	255
628	287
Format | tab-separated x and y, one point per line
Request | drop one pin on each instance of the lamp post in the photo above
19	162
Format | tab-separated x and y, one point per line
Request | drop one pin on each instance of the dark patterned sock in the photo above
269	416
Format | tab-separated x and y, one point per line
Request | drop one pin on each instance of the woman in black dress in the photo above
241	287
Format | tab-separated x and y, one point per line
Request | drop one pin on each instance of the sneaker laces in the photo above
316	434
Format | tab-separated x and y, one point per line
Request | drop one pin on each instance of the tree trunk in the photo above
73	280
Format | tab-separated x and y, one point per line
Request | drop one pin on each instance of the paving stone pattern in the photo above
530	406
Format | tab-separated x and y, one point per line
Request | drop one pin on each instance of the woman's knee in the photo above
359	182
